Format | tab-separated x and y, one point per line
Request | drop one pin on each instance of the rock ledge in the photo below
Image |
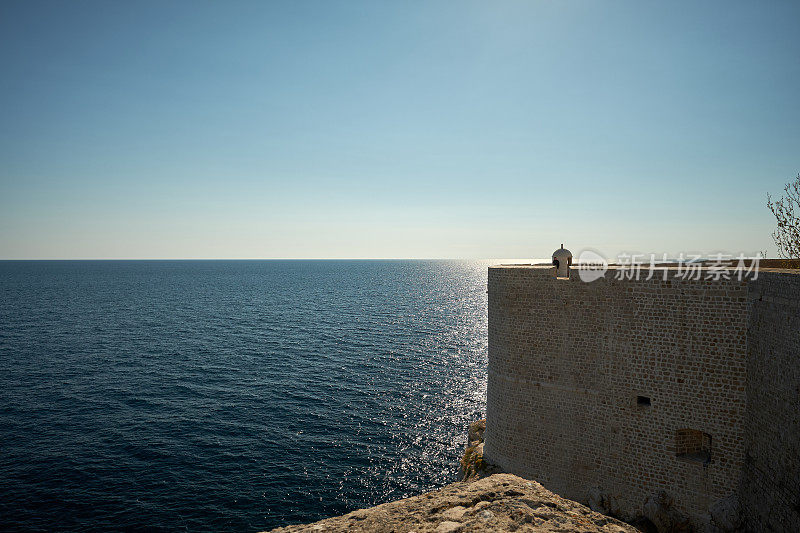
500	502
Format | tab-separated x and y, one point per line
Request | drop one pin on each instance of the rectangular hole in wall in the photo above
643	401
693	445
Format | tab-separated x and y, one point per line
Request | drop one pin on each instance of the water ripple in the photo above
232	395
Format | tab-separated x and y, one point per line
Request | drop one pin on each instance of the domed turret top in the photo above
562	253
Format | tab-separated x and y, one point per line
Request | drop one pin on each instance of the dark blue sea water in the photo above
231	395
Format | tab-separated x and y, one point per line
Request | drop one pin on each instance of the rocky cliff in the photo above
500	502
473	465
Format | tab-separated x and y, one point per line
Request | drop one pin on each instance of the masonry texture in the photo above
771	482
616	390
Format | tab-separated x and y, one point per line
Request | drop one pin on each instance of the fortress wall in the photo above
535	402
771	483
567	360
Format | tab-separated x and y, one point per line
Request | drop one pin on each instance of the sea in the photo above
232	395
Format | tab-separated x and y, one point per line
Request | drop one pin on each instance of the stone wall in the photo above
592	386
771	482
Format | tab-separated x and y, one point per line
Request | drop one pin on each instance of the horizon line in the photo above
275	259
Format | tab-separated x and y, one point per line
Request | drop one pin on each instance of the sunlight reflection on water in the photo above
233	394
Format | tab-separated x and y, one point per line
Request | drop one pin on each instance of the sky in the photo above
405	129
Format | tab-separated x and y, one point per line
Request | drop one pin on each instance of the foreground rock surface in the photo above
501	502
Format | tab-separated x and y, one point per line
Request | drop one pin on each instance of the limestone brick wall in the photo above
591	384
771	482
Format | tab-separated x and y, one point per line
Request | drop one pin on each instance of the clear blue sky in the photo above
393	129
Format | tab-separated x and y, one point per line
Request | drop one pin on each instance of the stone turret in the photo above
562	260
